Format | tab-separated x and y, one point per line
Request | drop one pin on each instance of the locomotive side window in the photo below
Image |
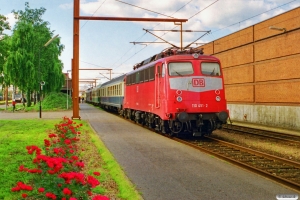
142	76
151	73
180	69
127	80
137	77
147	74
211	69
131	79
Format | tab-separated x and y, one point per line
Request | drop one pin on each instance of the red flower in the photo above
22	168
24	195
52	135
96	173
15	189
38	171
92	181
47	143
100	197
41	190
31	149
67	141
90	193
80	164
50	195
74	157
67	191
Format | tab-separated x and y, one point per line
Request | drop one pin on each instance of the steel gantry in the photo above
75	60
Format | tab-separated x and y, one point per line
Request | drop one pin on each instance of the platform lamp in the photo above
42	83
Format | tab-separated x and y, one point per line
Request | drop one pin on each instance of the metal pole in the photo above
67	90
40	83
40	74
40	102
75	63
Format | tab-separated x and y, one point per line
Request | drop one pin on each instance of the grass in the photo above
52	102
15	135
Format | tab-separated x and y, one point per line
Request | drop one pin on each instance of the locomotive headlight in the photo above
179	99
218	98
195	55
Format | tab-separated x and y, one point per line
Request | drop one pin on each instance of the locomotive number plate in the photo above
194	105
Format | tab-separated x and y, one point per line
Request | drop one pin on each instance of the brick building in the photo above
67	87
261	66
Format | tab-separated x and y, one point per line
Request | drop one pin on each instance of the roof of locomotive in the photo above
173	54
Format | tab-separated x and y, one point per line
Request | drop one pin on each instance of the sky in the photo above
109	44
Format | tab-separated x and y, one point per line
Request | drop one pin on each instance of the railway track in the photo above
279	169
282	137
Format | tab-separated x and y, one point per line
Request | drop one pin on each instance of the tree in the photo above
4	25
29	62
4	49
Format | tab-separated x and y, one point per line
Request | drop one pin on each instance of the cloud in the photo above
11	19
221	17
66	6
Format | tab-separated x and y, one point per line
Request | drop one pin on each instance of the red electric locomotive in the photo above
177	92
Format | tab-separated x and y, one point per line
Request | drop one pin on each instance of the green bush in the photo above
55	101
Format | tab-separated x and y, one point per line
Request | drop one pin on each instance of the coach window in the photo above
120	89
211	69
180	69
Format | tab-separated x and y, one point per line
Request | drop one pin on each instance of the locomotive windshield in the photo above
180	69
211	69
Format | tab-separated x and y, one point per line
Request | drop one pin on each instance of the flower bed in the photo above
58	171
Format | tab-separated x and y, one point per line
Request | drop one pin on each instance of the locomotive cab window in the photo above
180	69
163	71
211	69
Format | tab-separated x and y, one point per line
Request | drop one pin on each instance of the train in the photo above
175	92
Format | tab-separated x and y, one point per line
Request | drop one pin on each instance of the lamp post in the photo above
68	88
43	82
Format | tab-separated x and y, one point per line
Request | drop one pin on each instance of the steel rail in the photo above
276	135
261	172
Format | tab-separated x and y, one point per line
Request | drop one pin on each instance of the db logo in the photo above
198	82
